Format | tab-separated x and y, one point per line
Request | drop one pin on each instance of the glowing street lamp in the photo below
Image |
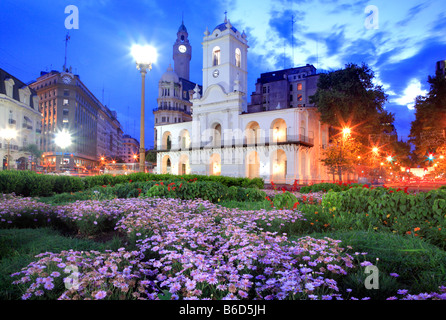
144	57
346	131
63	140
8	134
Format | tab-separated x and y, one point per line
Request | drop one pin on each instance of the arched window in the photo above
216	56
238	58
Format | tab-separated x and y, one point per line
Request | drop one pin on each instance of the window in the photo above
65	102
264	89
291	97
299	97
291	87
238	58
299	86
216	56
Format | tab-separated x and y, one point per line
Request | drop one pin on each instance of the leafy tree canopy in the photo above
348	97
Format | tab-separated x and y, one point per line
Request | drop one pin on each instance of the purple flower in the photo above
394	275
190	284
100	295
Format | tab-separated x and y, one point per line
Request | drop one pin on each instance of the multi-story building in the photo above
174	88
288	88
109	134
19	114
279	138
129	149
67	104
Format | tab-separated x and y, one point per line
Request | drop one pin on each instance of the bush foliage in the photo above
29	183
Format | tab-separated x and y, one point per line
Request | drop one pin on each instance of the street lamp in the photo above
144	57
8	134
63	140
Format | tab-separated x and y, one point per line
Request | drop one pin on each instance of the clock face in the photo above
216	73
66	80
182	48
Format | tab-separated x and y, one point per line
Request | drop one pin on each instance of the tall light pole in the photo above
8	134
345	134
144	57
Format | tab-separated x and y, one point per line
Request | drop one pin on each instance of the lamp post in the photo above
144	57
8	134
63	140
345	134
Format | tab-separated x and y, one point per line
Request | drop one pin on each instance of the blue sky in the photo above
402	51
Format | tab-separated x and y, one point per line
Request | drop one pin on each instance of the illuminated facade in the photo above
229	137
19	113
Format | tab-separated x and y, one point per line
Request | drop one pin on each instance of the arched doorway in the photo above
184	166
184	140
216	135
252	165
166	165
166	143
252	133
215	165
278	131
278	166
22	164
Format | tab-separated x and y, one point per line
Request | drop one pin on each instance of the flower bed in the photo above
193	249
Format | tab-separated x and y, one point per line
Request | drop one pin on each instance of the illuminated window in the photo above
216	56
299	86
238	58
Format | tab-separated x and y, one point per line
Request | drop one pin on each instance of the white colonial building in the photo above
20	122
224	137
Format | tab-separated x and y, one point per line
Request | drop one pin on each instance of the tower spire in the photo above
67	37
226	17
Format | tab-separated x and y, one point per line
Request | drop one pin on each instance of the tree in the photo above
341	155
427	131
151	156
348	97
34	150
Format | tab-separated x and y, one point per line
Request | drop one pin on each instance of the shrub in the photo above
285	200
421	215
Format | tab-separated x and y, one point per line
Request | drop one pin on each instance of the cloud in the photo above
281	23
412	13
413	90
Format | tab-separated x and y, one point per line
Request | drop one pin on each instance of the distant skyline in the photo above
402	52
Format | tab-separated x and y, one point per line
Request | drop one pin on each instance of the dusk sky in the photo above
402	51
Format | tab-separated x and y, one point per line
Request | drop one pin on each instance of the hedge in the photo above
29	183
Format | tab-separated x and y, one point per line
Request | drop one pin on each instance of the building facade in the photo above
19	113
174	88
68	105
129	149
109	134
229	137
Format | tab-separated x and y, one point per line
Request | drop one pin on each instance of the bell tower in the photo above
225	58
182	52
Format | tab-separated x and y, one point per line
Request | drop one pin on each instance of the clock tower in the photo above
182	52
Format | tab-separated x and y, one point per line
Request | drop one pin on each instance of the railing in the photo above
299	140
172	109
